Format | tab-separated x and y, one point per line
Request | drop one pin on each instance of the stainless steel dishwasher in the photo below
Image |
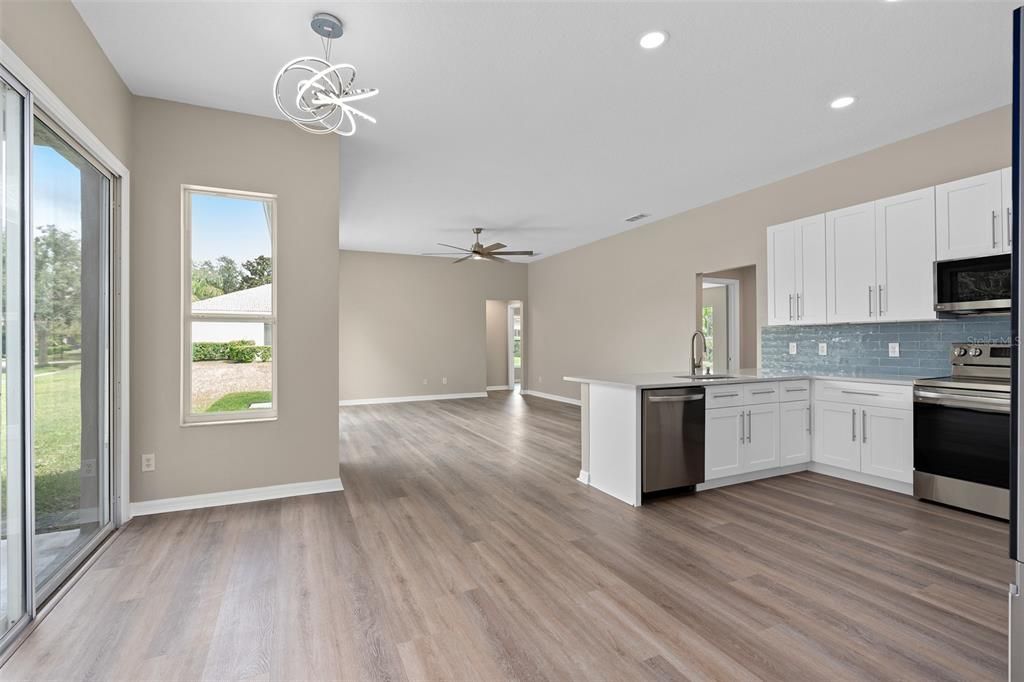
673	438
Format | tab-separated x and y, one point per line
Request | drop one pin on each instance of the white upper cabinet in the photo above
969	217
904	252
1007	181
781	273
796	272
850	264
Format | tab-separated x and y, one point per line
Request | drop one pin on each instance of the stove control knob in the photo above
975	352
959	351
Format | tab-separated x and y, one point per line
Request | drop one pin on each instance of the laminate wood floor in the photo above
463	548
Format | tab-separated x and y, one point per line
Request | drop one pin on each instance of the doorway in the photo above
515	345
719	312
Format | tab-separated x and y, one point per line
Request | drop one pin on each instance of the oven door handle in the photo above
976	403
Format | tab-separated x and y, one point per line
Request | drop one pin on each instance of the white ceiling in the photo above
546	123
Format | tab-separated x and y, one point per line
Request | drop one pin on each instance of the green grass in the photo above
57	441
517	362
236	402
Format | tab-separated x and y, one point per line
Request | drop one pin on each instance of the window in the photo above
229	305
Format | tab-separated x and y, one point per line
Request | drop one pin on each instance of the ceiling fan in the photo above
481	252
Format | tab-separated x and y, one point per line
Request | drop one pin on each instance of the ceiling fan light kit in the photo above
491	252
323	93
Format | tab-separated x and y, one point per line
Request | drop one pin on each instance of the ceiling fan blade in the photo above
459	260
489	256
440	253
454	247
511	253
494	247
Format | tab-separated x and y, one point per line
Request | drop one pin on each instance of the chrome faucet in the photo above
697	361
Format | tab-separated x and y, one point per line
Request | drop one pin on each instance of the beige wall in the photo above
51	38
404	319
175	144
628	303
497	343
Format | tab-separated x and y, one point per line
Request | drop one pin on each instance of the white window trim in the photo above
188	418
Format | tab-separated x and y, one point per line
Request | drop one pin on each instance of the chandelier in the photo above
323	94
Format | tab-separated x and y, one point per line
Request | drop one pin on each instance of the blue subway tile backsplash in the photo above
864	348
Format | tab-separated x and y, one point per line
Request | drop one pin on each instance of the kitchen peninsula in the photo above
755	424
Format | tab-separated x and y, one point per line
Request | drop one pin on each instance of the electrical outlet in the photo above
822	349
894	350
88	467
424	382
444	380
540	379
792	347
149	462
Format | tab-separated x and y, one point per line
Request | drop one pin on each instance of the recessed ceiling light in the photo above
654	39
842	102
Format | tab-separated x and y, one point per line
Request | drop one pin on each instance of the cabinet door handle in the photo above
853	425
808	419
995	230
871	300
863	426
1009	232
749	426
791	306
799	309
743	429
880	309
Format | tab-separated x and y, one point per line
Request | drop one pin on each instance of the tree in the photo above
258	271
229	277
58	287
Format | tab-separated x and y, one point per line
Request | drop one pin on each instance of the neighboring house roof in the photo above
255	300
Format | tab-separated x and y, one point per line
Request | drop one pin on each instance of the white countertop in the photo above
743	376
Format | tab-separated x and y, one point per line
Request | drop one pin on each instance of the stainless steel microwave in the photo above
973	286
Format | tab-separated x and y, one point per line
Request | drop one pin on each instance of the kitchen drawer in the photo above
730	395
760	393
899	396
790	391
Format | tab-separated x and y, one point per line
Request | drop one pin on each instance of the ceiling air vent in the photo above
638	216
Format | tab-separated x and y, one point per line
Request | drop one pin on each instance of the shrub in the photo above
240	352
203	351
264	353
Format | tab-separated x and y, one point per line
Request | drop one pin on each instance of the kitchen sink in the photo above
704	377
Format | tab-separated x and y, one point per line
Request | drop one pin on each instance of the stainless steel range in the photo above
962	432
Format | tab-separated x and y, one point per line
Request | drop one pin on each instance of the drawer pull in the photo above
726	395
770	390
795	390
874	395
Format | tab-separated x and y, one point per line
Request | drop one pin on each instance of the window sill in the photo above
227	420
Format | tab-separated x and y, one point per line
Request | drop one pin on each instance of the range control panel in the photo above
986	354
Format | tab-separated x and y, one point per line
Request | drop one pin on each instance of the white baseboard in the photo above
584	477
499	388
865	479
552	396
411	398
270	492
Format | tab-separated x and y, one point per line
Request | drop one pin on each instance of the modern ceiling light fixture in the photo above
323	93
843	102
653	39
478	251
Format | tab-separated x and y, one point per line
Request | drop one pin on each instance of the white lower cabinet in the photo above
724	437
794	432
835	435
887	443
762	446
872	440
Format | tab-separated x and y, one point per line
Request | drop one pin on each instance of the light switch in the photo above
894	350
822	349
792	347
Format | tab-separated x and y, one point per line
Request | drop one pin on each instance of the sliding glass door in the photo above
71	217
13	513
